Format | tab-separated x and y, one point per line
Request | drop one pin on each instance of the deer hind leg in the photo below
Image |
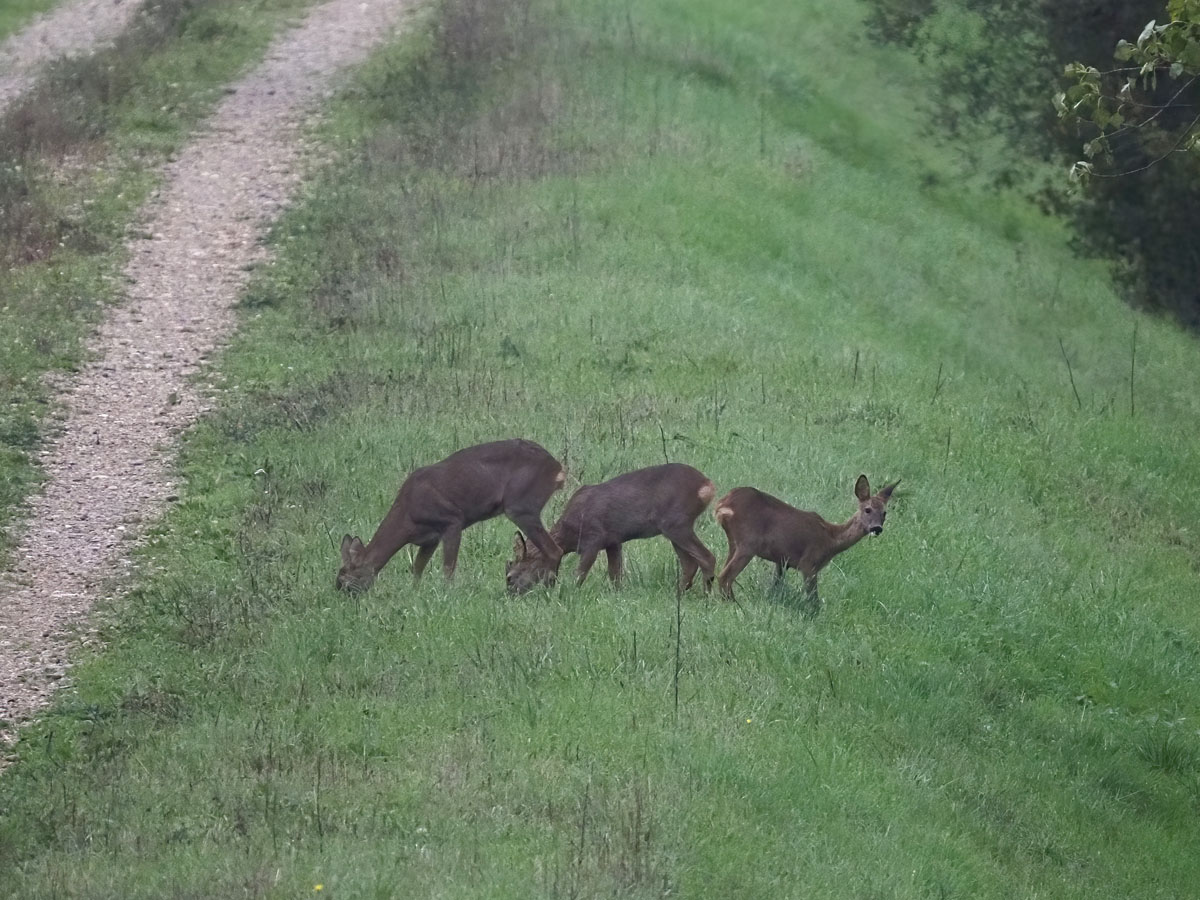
451	539
424	552
738	560
685	539
688	567
531	526
615	564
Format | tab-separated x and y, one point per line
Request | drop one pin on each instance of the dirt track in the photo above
72	28
110	468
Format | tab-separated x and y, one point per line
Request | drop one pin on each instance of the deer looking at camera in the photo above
664	500
437	502
758	524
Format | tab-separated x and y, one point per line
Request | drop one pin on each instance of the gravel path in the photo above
109	470
68	29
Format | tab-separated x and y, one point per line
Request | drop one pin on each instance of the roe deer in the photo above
437	502
758	524
664	500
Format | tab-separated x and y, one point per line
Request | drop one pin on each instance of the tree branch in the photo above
1179	143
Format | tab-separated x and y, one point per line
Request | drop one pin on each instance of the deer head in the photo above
356	574
528	568
872	510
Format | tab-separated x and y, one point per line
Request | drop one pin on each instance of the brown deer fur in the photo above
437	502
758	524
664	500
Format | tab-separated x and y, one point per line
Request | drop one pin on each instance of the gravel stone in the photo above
109	470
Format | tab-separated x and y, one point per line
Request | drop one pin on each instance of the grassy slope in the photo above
78	157
704	228
15	14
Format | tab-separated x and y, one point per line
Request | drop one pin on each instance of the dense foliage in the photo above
993	68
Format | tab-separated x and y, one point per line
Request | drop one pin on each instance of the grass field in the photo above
701	231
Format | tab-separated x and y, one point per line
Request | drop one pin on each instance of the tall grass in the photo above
690	231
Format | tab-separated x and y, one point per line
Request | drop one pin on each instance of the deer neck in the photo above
846	535
560	533
392	534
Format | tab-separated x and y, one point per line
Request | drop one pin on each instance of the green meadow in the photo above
700	231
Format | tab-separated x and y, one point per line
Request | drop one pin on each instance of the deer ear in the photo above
862	488
351	547
886	493
520	551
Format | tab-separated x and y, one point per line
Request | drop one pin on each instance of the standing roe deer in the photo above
437	502
758	524
664	500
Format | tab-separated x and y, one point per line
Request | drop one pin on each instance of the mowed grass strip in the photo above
694	231
79	154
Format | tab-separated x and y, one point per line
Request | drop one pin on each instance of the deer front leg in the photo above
810	591
451	539
422	560
586	559
615	564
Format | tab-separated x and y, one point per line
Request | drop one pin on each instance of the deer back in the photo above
638	504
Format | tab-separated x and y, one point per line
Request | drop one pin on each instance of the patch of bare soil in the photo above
109	469
75	27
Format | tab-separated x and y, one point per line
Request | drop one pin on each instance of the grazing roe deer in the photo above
758	524
437	502
664	500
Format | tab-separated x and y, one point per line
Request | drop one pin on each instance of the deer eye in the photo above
868	510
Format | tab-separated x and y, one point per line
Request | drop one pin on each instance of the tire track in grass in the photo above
75	27
109	468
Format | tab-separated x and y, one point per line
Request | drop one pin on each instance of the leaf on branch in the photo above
1187	11
1124	50
1081	172
1146	33
1190	57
